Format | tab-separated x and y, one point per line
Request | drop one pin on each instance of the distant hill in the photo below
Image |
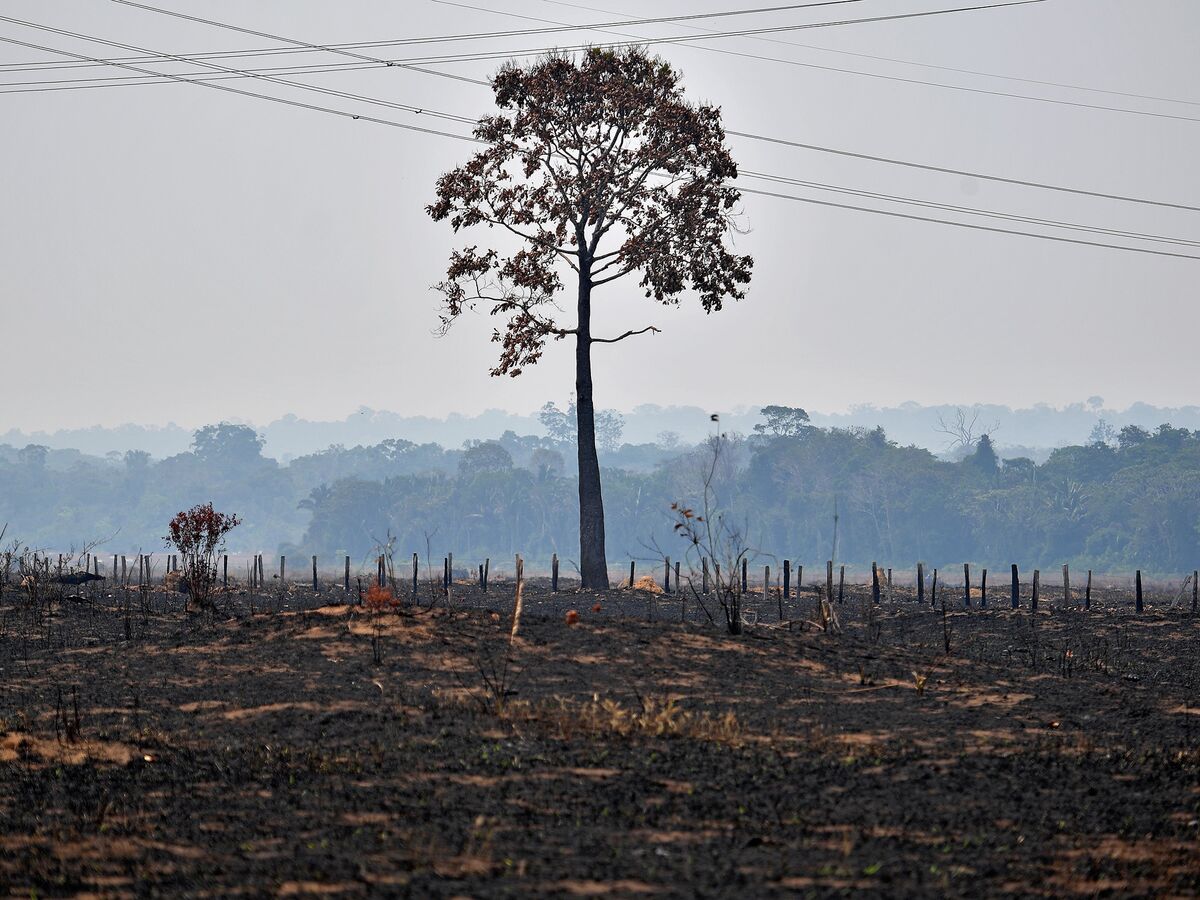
1032	431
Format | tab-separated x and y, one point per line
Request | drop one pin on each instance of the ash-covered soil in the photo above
148	751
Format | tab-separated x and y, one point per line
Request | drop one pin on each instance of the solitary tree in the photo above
599	168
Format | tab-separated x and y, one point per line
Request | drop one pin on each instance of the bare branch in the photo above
627	334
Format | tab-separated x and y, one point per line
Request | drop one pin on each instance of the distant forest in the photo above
1129	498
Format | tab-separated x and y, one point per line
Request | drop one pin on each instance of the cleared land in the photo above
270	754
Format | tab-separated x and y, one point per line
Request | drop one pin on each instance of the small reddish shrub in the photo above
199	535
572	616
378	602
380	599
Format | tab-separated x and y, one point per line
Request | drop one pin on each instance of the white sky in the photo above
172	252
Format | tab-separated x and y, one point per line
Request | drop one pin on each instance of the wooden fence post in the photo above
346	576
520	578
1195	590
782	591
1033	600
1016	588
799	580
920	582
841	583
224	570
889	585
703	574
632	572
874	584
282	569
766	583
487	572
678	589
829	583
933	590
314	574
667	575
415	571
967	585
1087	592
1138	599
554	574
744	570
787	579
983	589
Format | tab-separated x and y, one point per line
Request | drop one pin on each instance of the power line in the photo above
345	114
685	39
878	58
345	95
948	171
220	87
336	48
742	134
883	77
467	57
973	227
974	211
558	27
779	141
409	64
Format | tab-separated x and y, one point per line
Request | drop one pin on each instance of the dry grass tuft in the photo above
600	718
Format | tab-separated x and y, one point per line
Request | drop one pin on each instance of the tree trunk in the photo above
592	563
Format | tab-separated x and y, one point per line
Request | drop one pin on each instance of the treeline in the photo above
1132	501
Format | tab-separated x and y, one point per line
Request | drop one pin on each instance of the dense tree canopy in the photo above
1136	504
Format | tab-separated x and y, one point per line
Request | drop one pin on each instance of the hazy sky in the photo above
173	252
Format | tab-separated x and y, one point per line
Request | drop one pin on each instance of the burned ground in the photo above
271	754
